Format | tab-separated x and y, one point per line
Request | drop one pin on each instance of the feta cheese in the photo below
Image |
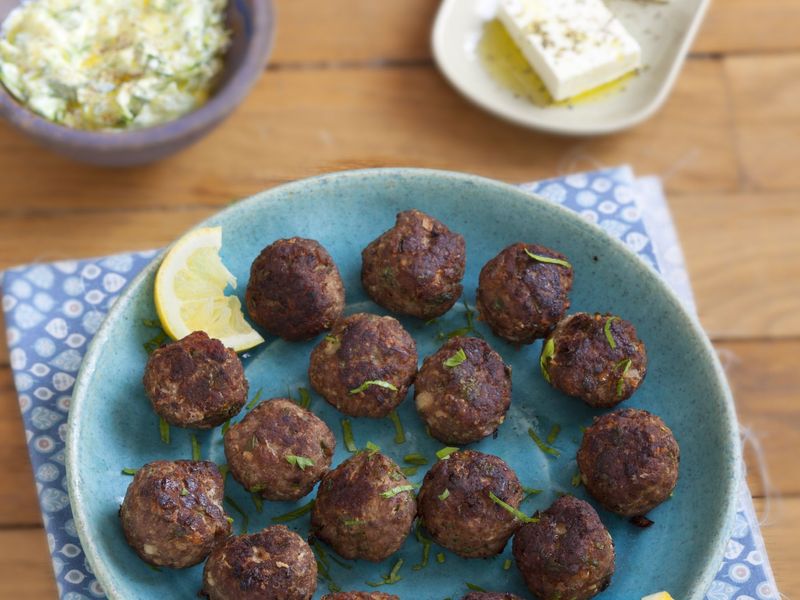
573	45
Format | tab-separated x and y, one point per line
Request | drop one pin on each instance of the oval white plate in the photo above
665	32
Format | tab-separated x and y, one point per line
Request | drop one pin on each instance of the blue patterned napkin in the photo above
53	310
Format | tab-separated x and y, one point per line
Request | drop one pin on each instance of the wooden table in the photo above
352	85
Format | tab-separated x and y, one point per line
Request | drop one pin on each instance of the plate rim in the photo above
118	310
542	124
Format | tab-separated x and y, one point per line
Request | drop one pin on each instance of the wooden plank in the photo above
386	117
741	251
746	26
25	568
781	531
764	92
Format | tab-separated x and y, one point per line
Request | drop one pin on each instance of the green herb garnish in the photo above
223	471
506	564
229	520
518	514
440	558
548	350
607	331
399	434
372	448
576	479
225	426
459	357
376	382
530	492
184	492
415	459
299	461
251	405
195	447
542	446
445	452
332	339
257	501
156	341
445	494
347	433
398	490
127	471
554	431
474	587
238	509
548	259
409	471
294	514
625	364
305	397
163	429
353	522
391	578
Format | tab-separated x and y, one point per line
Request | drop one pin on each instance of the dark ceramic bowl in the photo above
251	23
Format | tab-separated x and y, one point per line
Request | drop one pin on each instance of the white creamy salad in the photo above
113	64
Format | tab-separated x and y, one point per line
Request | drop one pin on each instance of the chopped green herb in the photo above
576	479
184	492
399	434
445	452
332	339
305	397
469	314
372	448
554	431
530	492
459	357
445	494
548	259
409	471
440	558
542	446
229	520
347	432
583	428
431	321
154	568
257	501
354	522
299	461
294	514
152	323
426	552
518	514
163	428
415	459
253	443
195	447
392	577
225	426
506	564
252	404
155	342
376	382
223	470
238	509
398	490
460	332
625	364
127	471
474	587
548	350
607	330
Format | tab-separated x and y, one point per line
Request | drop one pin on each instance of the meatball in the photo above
567	554
628	461
195	382
295	290
463	391
360	596
274	564
279	450
523	293
365	507
172	514
416	267
455	506
596	358
490	596
365	366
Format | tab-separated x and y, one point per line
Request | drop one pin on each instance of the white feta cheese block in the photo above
573	45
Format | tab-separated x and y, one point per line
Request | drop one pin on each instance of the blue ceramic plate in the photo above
112	425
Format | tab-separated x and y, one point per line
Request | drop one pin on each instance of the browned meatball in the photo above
364	348
365	507
597	358
295	290
490	596
195	382
279	450
628	461
172	515
273	564
455	506
522	297
567	554
416	267
360	596
463	391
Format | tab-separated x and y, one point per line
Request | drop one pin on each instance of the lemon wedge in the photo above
659	596
190	292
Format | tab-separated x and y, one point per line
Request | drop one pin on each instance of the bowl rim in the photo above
88	366
217	107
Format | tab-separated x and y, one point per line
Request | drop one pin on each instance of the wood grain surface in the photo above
352	84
